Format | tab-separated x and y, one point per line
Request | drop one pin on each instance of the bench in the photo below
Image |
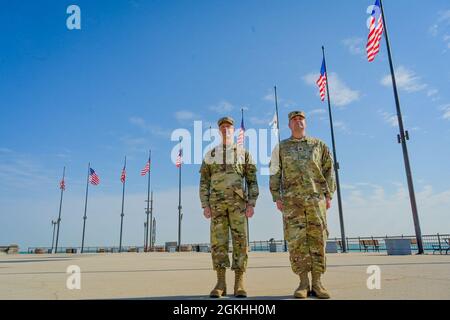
11	249
440	248
367	244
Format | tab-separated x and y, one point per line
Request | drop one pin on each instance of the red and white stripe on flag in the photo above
240	140
146	169
179	159
322	83
374	38
93	177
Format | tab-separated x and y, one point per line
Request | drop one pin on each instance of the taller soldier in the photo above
224	170
302	184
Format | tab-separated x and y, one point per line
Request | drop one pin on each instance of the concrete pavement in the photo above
188	275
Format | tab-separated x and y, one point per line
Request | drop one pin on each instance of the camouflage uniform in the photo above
307	178
221	188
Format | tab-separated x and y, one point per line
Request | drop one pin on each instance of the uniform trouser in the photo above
224	217
305	231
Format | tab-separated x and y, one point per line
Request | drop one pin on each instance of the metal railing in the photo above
431	243
435	243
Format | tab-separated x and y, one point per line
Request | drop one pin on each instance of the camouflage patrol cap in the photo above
225	119
296	113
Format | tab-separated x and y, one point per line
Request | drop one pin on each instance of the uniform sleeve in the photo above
328	172
250	178
205	184
275	175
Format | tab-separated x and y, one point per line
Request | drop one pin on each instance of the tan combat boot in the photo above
239	291
221	287
317	288
303	289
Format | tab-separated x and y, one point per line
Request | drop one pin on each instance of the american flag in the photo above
375	33
123	176
146	168
241	137
93	177
62	185
322	81
179	158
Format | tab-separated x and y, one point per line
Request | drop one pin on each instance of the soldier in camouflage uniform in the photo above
302	184
224	200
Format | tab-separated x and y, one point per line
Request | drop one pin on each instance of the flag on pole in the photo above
179	158
62	185
123	176
241	137
93	177
375	31
274	123
322	81
146	168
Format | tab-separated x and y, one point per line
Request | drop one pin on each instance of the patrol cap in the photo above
225	119
296	113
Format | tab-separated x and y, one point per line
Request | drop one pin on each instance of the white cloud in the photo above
340	125
316	112
354	45
65	154
133	141
446	111
432	92
184	115
222	107
434	30
21	171
270	96
153	129
138	122
290	104
389	118
406	79
341	94
441	25
444	17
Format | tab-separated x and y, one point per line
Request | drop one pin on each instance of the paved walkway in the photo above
189	276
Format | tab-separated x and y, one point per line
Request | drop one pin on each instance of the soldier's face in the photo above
297	123
226	130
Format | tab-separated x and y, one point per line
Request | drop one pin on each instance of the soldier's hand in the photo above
249	212
207	212
280	205
328	200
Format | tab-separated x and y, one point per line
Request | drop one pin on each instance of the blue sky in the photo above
137	70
